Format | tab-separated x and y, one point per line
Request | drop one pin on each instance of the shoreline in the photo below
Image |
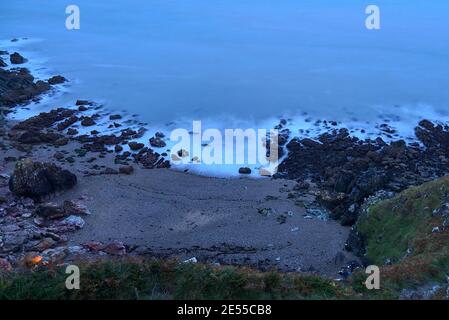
199	212
330	175
388	126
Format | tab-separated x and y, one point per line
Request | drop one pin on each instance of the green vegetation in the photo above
155	279
409	231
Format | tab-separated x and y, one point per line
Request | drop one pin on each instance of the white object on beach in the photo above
191	260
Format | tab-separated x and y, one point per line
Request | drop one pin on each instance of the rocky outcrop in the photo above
150	159
18	86
16	58
37	129
340	163
36	179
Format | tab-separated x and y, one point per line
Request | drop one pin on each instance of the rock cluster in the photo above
33	233
18	86
349	169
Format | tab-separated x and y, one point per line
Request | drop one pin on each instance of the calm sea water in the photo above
243	59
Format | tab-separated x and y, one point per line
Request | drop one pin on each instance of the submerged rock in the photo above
134	146
56	80
83	102
16	58
157	142
88	121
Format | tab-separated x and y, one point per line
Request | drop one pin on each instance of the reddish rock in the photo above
116	248
75	208
5	265
94	246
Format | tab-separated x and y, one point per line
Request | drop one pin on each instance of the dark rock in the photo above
115	117
134	146
37	137
72	132
18	86
61	142
118	148
157	142
50	211
150	159
59	155
56	80
331	199
356	243
88	121
36	179
83	103
67	123
110	171
10	159
301	186
126	169
45	119
16	58
245	170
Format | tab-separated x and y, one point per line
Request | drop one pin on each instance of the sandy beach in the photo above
172	214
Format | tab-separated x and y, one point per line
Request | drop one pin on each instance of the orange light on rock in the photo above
36	260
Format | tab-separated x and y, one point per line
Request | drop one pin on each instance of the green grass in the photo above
156	279
405	222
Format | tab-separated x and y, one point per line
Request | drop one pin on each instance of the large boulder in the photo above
36	179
